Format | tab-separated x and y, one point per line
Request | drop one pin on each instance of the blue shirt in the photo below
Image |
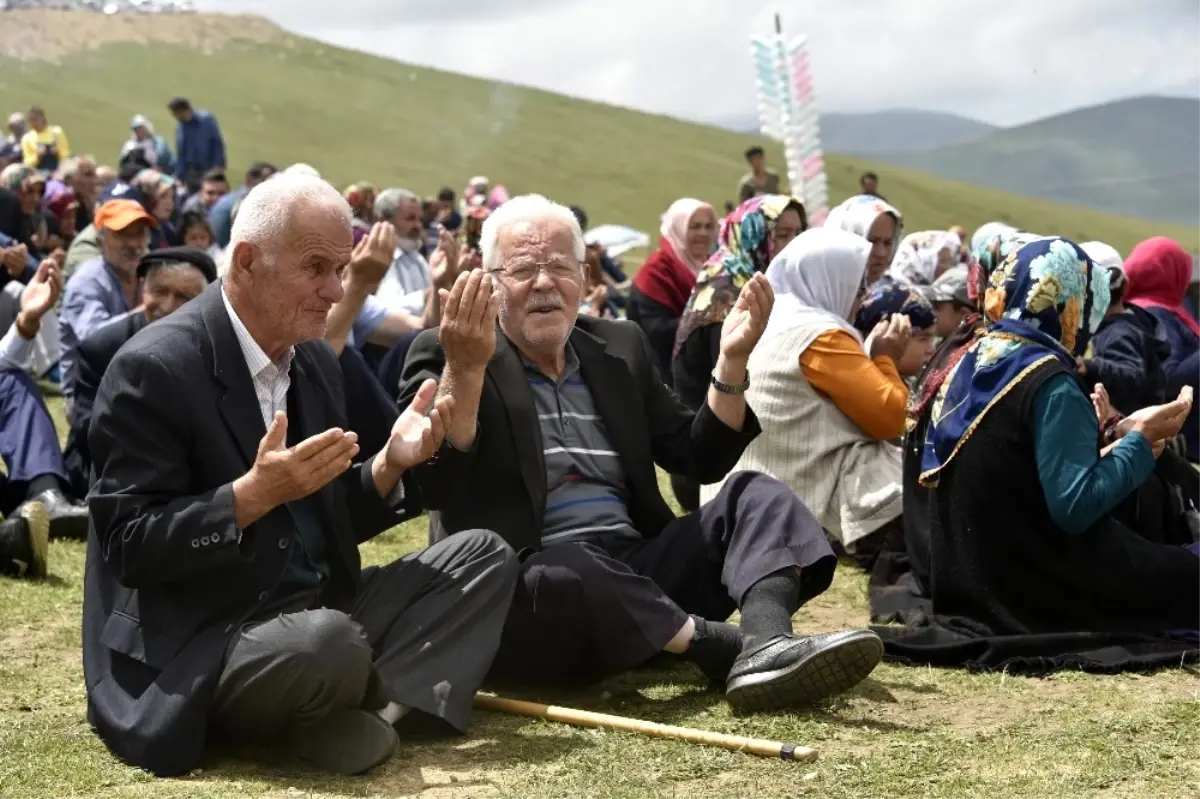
31	263
369	318
93	297
220	216
199	145
1080	486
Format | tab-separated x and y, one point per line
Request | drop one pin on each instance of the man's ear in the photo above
241	258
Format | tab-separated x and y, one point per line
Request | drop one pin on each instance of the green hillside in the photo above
359	117
1140	155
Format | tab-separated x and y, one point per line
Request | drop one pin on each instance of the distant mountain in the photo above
1139	157
900	130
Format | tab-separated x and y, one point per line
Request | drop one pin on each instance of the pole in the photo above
586	718
778	26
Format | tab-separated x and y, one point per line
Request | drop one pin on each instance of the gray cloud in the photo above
1000	61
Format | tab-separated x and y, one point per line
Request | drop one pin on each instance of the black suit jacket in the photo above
500	482
92	357
169	578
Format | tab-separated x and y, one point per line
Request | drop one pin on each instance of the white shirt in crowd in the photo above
403	287
16	353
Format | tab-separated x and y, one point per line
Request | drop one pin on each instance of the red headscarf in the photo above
1158	271
669	274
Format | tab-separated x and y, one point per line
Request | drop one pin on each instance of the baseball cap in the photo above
951	286
120	214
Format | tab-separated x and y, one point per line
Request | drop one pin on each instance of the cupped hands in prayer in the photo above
419	431
1159	423
744	325
468	330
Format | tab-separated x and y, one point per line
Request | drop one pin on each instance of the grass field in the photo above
904	732
360	117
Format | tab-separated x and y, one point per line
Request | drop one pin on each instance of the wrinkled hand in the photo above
1159	422
890	337
419	431
443	263
1102	404
285	474
14	259
42	292
372	256
744	325
468	329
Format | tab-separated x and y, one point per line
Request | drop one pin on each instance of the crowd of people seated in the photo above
997	426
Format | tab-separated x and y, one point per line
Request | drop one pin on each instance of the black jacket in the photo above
500	483
1127	355
169	578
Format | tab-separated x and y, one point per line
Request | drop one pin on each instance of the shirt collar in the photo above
570	363
256	360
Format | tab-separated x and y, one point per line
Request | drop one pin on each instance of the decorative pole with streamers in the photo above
788	114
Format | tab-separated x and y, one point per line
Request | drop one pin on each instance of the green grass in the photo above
360	117
904	732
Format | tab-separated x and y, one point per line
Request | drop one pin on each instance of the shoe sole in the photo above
338	744
825	674
38	519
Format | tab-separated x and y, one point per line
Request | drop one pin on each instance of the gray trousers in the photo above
422	632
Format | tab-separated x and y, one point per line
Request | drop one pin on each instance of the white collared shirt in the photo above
16	352
271	379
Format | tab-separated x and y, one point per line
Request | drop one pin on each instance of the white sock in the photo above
393	712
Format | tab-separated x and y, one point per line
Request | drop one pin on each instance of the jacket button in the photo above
195	543
263	596
283	543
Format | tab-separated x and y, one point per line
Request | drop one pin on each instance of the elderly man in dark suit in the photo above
224	595
558	424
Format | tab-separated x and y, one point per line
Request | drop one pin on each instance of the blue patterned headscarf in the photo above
1043	303
889	297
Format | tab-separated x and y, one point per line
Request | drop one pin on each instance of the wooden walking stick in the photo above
586	718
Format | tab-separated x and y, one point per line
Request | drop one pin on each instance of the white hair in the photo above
266	210
527	209
388	202
302	169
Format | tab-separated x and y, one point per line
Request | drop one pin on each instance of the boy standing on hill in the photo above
761	179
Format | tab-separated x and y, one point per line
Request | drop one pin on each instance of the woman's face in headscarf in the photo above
882	236
947	258
31	192
164	204
701	233
787	227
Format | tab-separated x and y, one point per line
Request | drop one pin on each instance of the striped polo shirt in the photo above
586	497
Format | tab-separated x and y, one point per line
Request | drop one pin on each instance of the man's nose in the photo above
542	280
331	288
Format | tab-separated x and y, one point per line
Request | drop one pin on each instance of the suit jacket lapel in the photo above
614	393
506	371
308	404
238	404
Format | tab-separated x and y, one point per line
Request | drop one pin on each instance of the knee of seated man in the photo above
760	486
492	549
329	641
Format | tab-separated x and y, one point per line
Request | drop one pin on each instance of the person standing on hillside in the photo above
220	216
199	145
869	184
44	145
761	179
154	147
10	146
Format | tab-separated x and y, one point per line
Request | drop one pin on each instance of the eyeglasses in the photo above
524	273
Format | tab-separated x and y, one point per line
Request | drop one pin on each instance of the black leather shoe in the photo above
24	541
67	519
347	742
790	670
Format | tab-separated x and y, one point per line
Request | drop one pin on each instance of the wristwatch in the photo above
726	388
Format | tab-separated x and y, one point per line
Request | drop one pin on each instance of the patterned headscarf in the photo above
887	297
744	248
14	175
916	259
992	251
1043	304
857	214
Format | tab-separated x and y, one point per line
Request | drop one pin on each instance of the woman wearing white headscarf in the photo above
829	408
923	256
873	219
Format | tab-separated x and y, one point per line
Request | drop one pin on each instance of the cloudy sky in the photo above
1001	61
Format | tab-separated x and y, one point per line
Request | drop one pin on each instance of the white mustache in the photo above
546	301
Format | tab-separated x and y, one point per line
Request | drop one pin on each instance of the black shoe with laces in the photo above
790	670
25	541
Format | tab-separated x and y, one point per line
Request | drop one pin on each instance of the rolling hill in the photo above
1139	156
361	117
900	130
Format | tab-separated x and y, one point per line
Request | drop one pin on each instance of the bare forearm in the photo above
340	320
432	315
729	408
465	386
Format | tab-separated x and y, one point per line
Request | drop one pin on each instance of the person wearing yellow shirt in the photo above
43	146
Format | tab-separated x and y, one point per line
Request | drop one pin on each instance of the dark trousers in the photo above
586	611
28	440
422	632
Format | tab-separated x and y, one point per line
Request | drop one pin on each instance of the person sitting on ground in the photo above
29	186
152	146
33	461
107	286
595	292
951	299
1127	353
830	407
1023	541
79	175
448	215
1158	271
923	256
408	284
886	299
663	284
10	145
213	187
873	219
156	192
221	214
761	179
44	145
361	199
223	593
169	278
615	279
611	577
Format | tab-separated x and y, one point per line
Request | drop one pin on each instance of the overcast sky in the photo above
1001	61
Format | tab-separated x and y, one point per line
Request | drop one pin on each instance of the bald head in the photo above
289	244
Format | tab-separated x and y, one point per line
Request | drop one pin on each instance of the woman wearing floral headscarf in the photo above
923	256
26	224
873	219
662	286
1022	539
829	408
749	238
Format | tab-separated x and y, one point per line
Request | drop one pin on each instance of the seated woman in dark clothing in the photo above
749	238
662	286
1158	271
1022	536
